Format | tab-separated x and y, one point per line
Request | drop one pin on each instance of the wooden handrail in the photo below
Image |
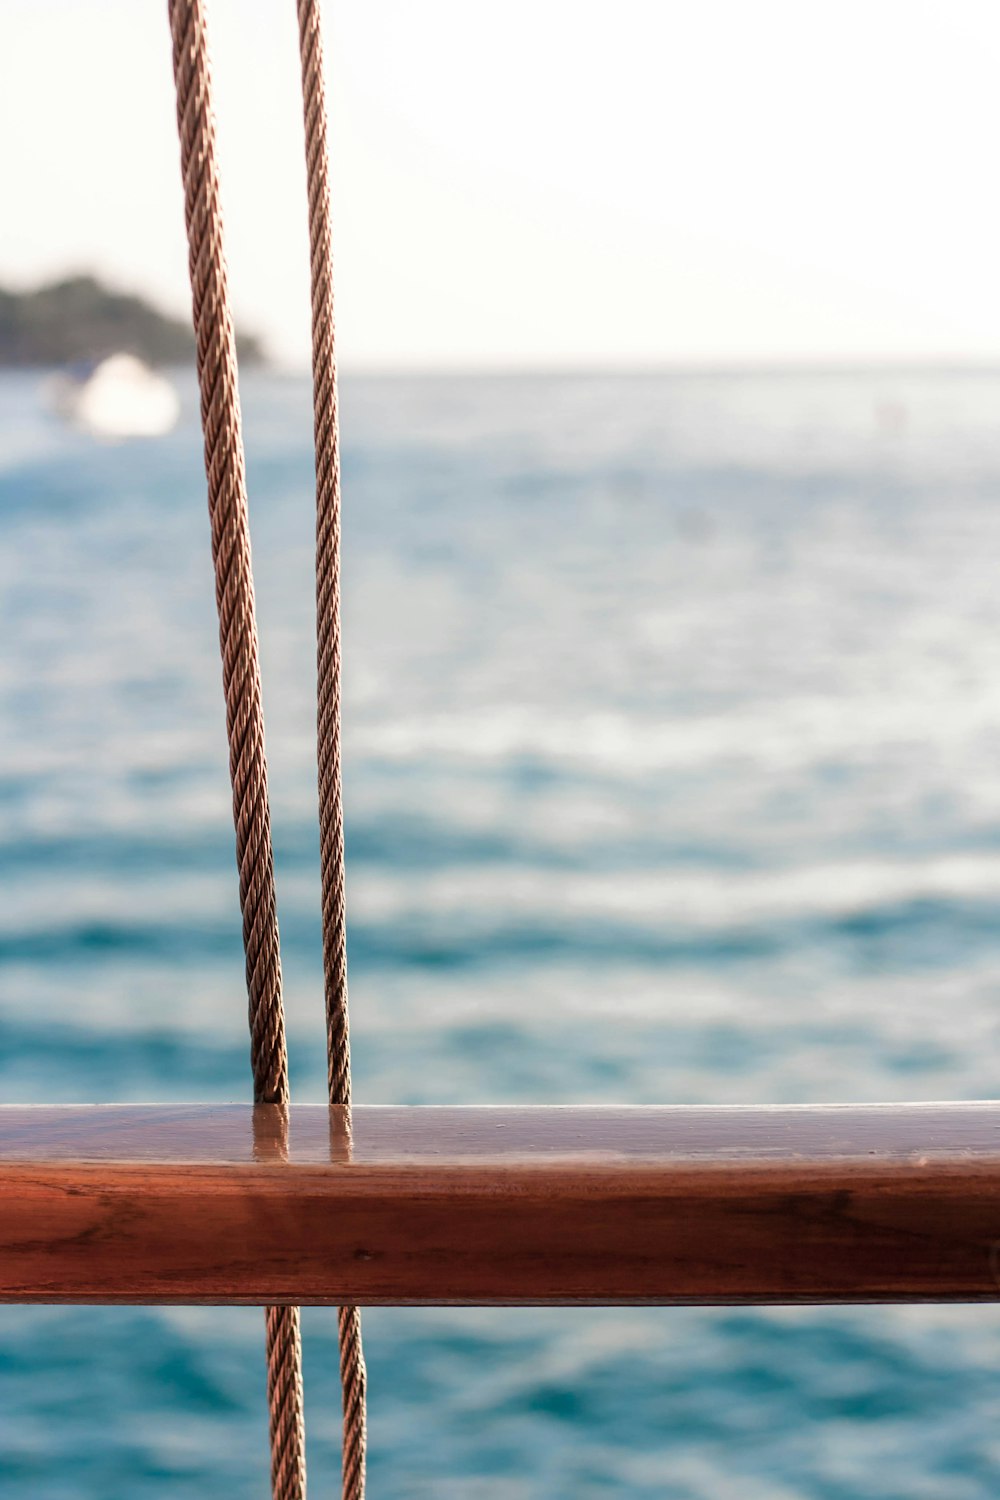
236	1204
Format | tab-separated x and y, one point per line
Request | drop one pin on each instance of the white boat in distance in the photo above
118	397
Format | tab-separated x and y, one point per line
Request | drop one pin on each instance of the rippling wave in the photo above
672	775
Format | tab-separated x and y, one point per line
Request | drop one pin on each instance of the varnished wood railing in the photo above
239	1205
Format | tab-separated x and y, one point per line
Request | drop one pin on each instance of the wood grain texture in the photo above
236	1204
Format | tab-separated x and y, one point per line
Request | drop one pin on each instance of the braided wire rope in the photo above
225	469
328	661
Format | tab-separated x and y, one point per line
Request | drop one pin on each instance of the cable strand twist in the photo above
225	468
328	657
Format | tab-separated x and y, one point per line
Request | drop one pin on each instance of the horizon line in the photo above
820	365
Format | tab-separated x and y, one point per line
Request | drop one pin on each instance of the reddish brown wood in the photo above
234	1204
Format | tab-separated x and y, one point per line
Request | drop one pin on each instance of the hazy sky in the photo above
544	182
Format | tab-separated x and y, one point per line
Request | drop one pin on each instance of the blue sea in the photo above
672	776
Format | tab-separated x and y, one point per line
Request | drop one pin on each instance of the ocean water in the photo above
672	775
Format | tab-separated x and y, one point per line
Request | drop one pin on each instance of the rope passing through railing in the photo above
227	502
331	813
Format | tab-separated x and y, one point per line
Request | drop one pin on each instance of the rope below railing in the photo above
227	503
